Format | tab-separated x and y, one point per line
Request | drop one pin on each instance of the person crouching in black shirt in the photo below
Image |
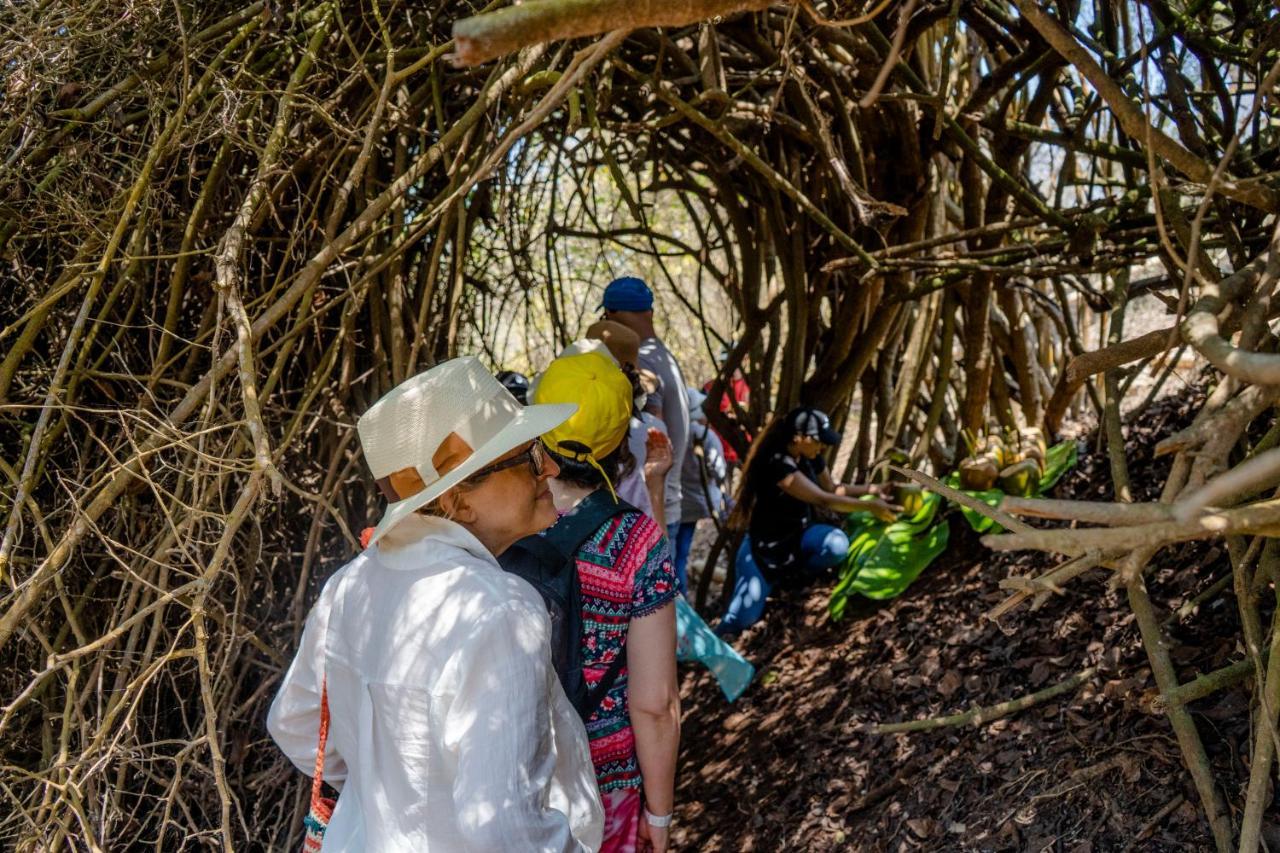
784	480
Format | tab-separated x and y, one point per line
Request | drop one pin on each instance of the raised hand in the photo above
658	458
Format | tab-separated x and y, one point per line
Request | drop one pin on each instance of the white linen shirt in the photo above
449	728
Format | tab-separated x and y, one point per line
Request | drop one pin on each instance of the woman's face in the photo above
509	504
807	446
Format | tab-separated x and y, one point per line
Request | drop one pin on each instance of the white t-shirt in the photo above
675	413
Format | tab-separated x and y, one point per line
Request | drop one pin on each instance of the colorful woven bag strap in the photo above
321	806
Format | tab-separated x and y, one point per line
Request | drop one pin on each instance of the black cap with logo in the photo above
516	383
812	422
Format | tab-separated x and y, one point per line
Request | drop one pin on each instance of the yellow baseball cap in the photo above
603	395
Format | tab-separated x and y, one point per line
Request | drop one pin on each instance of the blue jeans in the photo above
682	544
821	547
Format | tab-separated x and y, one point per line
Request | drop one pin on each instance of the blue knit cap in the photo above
627	294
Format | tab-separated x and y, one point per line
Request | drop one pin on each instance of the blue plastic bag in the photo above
695	641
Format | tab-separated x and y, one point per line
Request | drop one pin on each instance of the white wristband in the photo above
657	822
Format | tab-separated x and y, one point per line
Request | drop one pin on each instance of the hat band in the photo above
401	484
407	481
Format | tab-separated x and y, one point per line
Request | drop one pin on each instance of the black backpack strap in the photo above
591	512
597	693
574	529
547	561
533	557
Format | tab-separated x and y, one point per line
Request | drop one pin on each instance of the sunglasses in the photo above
535	457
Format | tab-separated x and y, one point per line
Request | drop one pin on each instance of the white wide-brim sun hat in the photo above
408	426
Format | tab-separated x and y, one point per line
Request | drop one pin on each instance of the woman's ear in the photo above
456	507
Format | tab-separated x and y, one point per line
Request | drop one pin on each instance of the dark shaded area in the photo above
786	768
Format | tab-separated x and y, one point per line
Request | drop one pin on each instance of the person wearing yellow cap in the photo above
645	486
628	589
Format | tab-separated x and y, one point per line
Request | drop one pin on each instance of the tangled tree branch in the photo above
228	227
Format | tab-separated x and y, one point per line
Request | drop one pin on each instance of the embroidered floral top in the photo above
625	572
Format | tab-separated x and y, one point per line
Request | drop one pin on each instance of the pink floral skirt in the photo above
621	821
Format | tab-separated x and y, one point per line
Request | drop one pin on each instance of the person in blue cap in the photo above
785	479
629	301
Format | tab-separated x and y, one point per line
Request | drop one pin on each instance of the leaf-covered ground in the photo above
1097	769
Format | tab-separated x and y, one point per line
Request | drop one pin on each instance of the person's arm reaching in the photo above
497	728
802	488
851	490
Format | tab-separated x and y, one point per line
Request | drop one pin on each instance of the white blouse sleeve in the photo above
294	718
499	728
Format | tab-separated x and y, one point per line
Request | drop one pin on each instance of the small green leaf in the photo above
978	521
1061	458
544	79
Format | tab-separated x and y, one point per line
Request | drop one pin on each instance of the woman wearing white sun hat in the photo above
448	728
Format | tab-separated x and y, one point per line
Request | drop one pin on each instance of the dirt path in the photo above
785	768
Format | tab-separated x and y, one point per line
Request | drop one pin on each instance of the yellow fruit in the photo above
1021	478
994	446
909	496
1033	445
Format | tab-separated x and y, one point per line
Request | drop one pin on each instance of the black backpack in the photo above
546	561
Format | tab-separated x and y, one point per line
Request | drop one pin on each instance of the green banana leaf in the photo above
978	521
1060	459
884	558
